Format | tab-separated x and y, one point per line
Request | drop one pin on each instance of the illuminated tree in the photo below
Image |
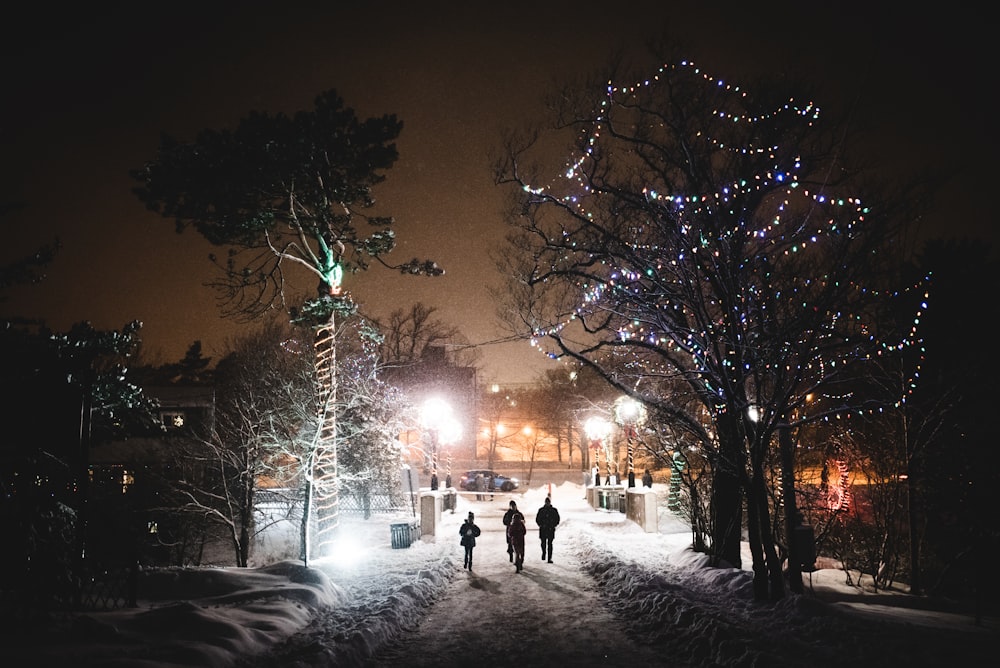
290	198
706	237
371	414
260	386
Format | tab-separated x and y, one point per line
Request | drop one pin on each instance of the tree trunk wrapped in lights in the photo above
326	496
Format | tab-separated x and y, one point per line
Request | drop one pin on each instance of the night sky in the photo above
87	94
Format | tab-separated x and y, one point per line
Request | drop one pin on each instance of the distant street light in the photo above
442	429
597	429
629	413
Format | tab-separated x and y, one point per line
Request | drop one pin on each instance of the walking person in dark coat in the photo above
507	517
515	536
469	531
547	520
647	479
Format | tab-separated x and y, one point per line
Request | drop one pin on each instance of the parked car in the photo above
494	481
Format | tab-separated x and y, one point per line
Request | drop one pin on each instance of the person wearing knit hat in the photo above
515	534
469	532
507	517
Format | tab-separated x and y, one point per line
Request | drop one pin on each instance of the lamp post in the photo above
629	413
441	428
597	429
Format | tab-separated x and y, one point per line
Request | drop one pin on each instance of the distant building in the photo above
434	375
129	478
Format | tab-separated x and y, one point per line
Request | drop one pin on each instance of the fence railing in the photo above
285	503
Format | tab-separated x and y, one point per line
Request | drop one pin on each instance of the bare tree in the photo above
706	237
260	385
496	408
406	335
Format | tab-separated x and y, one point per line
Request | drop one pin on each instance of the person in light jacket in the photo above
480	486
469	531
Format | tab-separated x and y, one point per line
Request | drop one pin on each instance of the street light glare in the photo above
449	431
597	428
435	411
628	410
442	429
437	416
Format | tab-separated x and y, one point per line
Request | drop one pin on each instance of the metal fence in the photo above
89	588
285	503
372	504
108	588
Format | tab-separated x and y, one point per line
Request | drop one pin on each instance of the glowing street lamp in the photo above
597	429
629	413
441	427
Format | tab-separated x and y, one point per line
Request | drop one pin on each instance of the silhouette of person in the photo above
469	531
547	520
507	517
515	535
647	479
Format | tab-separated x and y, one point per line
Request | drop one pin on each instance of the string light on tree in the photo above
602	291
703	249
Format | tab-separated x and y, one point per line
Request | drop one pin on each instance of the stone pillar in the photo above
430	515
641	508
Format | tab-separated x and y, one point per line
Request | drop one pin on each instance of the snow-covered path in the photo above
546	615
615	596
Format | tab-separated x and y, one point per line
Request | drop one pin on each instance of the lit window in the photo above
173	420
127	480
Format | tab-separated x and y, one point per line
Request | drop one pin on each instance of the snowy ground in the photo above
615	595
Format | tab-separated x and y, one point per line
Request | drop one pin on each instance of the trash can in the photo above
622	502
803	547
400	535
